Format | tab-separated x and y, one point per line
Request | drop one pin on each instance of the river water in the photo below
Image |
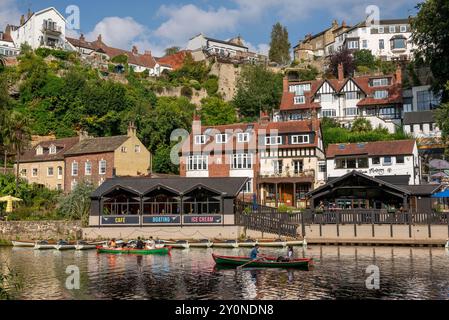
340	273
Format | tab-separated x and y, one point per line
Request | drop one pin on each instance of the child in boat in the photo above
112	243
288	257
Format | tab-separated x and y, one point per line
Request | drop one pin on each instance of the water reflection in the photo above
339	272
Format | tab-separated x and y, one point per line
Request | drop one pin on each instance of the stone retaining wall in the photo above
38	230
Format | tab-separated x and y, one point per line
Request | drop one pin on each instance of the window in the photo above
326	97
392	29
243	137
425	100
248	187
380	82
299	89
200	139
353	44
412	128
137	148
376	160
340	163
380	94
74	168
300	139
277	166
50	171
364	44
124	149
88	168
408	107
242	161
197	163
299	100
59	172
34	172
329	113
380	30
421	127
400	159
271	141
387	161
322	167
221	138
352	95
102	167
362	163
350	112
398	43
351	163
431	128
381	44
52	149
39	151
59	186
23	172
403	29
298	166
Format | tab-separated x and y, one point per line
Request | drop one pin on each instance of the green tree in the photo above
162	162
279	45
442	117
172	50
344	57
19	138
258	89
361	125
431	37
364	58
215	111
76	205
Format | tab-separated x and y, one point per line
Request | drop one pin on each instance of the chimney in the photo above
134	50
343	23
82	37
100	38
398	74
29	13
341	72
334	24
264	117
83	135
131	129
285	84
148	52
22	20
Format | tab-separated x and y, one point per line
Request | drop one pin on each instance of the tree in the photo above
258	89
172	50
431	37
442	117
76	205
364	58
19	137
215	111
345	57
279	45
309	73
361	125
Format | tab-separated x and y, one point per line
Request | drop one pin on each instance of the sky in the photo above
156	25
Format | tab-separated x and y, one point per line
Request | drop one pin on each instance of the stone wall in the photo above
197	95
40	230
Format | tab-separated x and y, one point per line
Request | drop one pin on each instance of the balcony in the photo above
51	28
287	175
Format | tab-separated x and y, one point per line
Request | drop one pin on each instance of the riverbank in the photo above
38	230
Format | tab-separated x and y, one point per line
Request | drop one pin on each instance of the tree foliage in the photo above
172	50
345	57
442	117
257	89
431	37
364	58
215	111
76	205
279	45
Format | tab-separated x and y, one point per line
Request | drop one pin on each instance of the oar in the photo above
247	263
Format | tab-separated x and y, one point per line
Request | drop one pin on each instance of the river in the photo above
339	273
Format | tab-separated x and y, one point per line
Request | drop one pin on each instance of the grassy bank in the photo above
5	243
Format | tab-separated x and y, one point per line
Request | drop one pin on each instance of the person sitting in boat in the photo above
254	255
112	243
139	244
288	257
150	244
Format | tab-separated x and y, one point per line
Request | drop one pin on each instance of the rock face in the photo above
228	75
197	95
39	230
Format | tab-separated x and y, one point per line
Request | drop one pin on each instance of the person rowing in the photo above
254	254
139	244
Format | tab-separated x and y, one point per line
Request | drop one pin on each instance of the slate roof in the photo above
419	117
62	146
378	148
229	187
97	145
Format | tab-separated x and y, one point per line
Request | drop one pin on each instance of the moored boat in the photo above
296	243
180	244
28	244
203	243
43	245
248	243
65	247
226	244
276	243
83	245
165	250
266	263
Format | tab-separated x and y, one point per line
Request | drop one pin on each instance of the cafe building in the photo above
171	201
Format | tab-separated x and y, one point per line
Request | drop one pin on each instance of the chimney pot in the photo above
285	84
134	50
100	38
131	129
341	72
82	37
22	20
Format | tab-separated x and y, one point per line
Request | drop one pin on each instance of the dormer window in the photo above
300	100
380	82
39	151
52	149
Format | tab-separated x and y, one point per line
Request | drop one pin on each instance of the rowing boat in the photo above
180	244
296	243
277	243
226	244
83	245
29	244
165	250
44	245
203	243
248	243
61	247
266	263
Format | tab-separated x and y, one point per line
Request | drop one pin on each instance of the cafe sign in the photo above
202	219
120	220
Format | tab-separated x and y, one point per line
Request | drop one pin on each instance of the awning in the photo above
439	164
443	194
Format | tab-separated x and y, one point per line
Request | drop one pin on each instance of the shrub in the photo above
211	85
186	92
76	205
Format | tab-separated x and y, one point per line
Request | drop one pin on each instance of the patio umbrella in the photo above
439	175
439	164
443	194
9	200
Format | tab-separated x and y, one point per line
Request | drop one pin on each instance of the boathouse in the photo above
356	190
174	201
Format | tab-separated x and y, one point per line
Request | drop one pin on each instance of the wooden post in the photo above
354	218
372	223
429	216
276	193
303	227
337	219
294	195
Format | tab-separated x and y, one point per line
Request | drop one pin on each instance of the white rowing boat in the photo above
297	243
248	243
205	243
181	244
226	244
272	244
83	245
61	247
28	244
43	245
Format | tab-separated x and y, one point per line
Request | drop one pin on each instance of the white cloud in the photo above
9	13
261	48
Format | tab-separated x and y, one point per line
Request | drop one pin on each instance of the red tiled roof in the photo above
379	148
7	37
175	61
62	146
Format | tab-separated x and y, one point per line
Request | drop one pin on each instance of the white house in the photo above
388	40
7	47
215	46
45	28
396	162
421	124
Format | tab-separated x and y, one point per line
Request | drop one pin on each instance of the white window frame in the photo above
39	151
200	139
242	161
353	44
137	148
221	138
124	149
273	140
243	137
59	168
381	30
88	172
248	187
332	111
403	29
305	139
392	29
352	95
23	172
378	96
52	173
197	163
379	82
299	100
347	114
52	149
34	172
75	169
364	44
387	163
102	167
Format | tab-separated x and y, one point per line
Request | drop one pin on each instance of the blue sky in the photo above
156	24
